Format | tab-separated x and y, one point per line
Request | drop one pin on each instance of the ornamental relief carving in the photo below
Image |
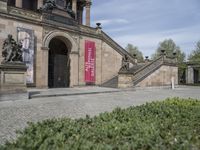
25	14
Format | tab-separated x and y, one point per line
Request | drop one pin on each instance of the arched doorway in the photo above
59	63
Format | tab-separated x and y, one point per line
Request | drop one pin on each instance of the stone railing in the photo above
116	46
89	30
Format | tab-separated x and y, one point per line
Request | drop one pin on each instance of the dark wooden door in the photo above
196	76
60	71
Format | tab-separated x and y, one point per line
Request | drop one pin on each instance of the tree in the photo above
133	50
195	55
170	47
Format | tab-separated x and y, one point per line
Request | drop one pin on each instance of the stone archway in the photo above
59	63
72	48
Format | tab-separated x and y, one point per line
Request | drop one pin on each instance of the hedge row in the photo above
171	124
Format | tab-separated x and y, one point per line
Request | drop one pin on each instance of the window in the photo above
11	2
31	5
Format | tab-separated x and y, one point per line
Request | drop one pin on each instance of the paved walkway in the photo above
15	114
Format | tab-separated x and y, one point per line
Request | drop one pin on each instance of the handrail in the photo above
149	64
121	50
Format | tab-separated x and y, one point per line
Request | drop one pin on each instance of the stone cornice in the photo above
36	19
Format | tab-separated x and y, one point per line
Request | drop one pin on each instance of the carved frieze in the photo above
25	14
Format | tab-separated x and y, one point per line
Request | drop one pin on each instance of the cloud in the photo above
106	22
147	43
145	23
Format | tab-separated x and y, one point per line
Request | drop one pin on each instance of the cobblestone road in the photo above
14	115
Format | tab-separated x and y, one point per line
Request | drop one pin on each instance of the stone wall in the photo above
161	77
108	61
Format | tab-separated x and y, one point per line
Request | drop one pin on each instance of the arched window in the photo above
29	4
11	2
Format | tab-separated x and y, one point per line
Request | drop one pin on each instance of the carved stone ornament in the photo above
125	64
69	10
49	5
12	51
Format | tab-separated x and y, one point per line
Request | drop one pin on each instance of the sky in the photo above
145	23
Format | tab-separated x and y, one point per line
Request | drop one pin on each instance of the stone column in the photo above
74	7
87	7
40	4
18	3
42	68
74	69
190	75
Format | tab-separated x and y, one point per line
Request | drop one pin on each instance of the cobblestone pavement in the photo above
15	114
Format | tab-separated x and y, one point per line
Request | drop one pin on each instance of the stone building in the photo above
192	73
60	51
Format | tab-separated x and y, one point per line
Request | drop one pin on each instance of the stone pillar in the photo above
74	56
190	75
42	68
3	6
87	7
40	4
74	7
18	3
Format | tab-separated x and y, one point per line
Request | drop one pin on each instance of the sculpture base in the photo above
12	78
125	80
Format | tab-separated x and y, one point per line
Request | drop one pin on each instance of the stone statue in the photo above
69	10
49	5
125	63
12	51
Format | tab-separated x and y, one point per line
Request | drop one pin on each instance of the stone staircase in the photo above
112	83
146	70
139	71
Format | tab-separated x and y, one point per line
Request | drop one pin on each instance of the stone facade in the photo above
60	26
74	36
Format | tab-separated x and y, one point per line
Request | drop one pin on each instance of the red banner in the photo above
90	59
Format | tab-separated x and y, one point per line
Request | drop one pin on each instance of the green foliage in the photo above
169	46
171	124
134	50
195	55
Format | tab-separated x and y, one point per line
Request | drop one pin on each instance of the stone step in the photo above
69	92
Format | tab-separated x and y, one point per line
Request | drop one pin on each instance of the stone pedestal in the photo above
12	79
125	80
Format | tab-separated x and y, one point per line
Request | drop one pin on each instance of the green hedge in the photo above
171	124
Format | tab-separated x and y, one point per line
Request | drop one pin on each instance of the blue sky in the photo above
144	23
